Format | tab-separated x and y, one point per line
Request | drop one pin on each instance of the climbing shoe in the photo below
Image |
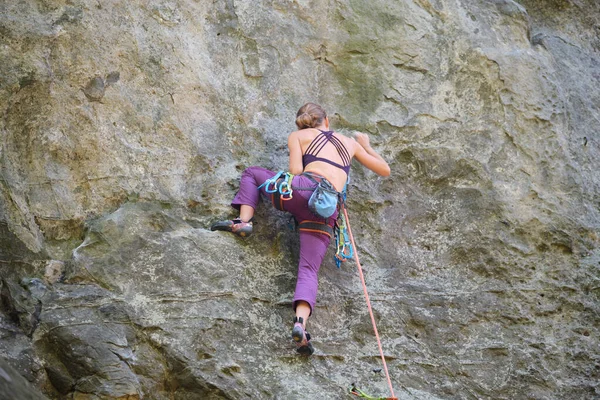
236	226
302	338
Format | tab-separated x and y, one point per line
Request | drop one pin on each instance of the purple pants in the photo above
313	245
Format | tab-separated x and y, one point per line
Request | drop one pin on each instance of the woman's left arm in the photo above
368	157
296	166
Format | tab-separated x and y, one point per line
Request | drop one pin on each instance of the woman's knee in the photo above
249	172
257	174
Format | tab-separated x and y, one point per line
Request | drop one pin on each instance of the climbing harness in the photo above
315	226
280	188
364	285
343	246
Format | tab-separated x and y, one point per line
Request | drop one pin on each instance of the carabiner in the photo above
286	191
271	182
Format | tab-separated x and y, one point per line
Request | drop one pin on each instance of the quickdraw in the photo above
343	245
285	187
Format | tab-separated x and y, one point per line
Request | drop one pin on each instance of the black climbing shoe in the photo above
236	226
302	338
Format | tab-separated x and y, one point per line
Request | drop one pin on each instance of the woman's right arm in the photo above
295	149
368	157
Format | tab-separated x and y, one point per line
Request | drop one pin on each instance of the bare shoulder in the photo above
348	142
298	135
293	135
304	134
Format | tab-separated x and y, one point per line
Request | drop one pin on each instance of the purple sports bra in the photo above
317	144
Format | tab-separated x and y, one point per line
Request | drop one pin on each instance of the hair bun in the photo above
310	115
304	121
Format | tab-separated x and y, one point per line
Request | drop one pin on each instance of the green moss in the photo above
377	14
359	75
357	62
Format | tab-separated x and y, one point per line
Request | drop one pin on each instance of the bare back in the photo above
358	148
332	173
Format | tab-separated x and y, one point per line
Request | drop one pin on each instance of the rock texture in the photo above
14	386
125	126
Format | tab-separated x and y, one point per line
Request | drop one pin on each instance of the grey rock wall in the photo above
14	386
125	127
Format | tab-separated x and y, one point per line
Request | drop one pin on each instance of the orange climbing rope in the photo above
362	279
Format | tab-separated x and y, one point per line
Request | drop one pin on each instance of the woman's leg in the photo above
246	200
313	247
302	311
246	212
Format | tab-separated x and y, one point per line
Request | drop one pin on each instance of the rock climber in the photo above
316	154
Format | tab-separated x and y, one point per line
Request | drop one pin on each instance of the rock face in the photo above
125	126
14	386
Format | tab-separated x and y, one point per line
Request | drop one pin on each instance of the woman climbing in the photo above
317	156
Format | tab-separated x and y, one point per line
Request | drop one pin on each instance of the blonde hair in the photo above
310	115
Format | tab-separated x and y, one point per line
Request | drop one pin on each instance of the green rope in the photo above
357	392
